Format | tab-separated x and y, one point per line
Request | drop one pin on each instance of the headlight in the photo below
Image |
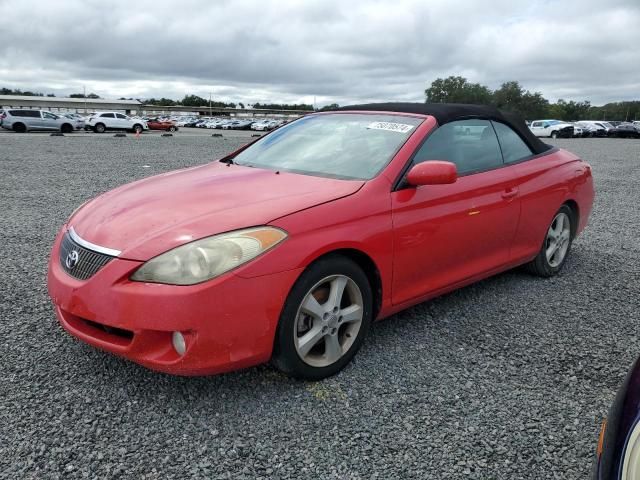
208	258
631	463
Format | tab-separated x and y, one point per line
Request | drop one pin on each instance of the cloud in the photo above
337	51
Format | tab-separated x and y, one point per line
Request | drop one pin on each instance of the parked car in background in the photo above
28	120
100	122
599	124
158	124
193	123
592	129
551	128
263	125
353	215
238	125
625	130
203	122
230	125
216	123
579	132
183	122
618	450
78	120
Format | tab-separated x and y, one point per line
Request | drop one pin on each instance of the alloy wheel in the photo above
558	239
328	320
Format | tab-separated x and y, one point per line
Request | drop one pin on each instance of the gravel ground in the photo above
506	379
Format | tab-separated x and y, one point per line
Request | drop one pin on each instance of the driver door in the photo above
447	234
122	121
50	121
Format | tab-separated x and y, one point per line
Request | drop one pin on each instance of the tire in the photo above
312	359
137	128
19	127
100	128
66	128
554	134
172	128
545	265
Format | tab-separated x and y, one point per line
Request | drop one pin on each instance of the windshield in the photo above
350	146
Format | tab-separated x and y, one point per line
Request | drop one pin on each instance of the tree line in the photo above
511	96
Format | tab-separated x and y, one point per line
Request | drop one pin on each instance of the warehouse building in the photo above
77	105
133	107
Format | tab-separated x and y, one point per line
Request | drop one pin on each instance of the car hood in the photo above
148	217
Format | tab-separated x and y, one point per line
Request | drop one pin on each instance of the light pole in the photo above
209	103
84	94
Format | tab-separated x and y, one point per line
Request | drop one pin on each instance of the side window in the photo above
49	115
107	115
119	115
536	124
470	144
513	147
25	113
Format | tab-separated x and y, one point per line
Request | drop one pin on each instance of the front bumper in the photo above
229	322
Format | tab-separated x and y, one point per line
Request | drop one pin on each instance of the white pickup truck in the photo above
551	128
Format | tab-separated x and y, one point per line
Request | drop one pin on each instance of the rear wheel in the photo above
172	128
99	128
324	320
554	134
556	245
19	127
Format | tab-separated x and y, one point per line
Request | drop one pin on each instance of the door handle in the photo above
510	193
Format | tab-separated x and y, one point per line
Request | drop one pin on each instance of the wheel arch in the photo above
575	218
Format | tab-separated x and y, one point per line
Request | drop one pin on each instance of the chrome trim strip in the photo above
92	246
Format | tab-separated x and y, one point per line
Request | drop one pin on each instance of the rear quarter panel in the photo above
545	183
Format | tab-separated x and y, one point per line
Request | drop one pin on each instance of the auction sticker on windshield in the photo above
391	127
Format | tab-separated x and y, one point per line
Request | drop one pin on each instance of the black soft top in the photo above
449	112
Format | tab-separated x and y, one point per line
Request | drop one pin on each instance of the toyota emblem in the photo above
72	259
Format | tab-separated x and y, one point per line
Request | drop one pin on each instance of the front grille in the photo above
119	332
82	264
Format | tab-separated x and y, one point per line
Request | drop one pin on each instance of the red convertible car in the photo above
287	249
166	125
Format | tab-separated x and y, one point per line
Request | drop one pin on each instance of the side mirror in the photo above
432	172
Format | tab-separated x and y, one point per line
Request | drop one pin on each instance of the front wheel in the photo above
172	128
556	245
324	320
137	128
66	128
99	128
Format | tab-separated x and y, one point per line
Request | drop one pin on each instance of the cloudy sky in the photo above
338	51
